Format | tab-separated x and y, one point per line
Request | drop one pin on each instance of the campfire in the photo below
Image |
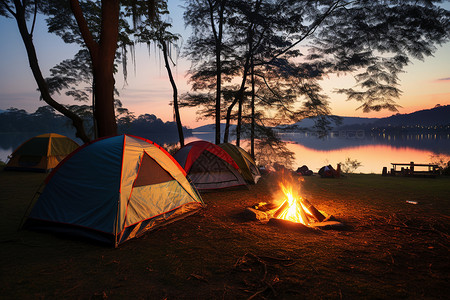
292	210
296	209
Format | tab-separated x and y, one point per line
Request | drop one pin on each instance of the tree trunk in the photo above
218	94
228	116
42	84
102	55
239	95
175	93
252	128
239	121
218	42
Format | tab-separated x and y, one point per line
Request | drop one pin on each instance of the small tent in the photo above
41	153
112	190
209	166
247	166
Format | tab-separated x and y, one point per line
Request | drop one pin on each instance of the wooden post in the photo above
338	171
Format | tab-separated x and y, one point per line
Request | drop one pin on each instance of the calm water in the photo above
374	152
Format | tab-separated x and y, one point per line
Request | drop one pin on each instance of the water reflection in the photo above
373	151
437	143
372	157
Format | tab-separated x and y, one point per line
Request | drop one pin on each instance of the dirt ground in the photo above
389	249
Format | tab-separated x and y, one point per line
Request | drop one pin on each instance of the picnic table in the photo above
413	169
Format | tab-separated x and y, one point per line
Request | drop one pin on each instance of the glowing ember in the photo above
293	209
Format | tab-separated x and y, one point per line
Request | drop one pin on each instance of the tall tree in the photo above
304	41
97	27
102	53
208	16
20	11
156	30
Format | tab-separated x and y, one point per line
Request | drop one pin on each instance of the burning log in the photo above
314	212
281	209
294	213
303	216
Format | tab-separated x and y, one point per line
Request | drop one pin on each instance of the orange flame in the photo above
295	211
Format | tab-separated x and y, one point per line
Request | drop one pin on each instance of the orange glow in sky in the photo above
424	85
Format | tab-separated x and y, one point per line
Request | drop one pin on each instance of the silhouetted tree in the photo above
156	30
103	30
102	52
21	11
372	40
207	17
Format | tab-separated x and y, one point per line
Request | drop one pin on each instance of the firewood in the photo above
303	214
281	209
315	213
255	215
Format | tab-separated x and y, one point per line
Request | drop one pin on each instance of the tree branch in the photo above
34	18
8	8
309	32
91	44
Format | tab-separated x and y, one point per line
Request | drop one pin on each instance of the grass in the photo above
392	249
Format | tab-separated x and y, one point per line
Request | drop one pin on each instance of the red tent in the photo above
209	166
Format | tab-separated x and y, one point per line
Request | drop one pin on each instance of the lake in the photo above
373	152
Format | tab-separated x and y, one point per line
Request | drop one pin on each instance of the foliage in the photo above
172	148
81	23
21	12
294	45
349	165
150	127
270	150
45	119
443	161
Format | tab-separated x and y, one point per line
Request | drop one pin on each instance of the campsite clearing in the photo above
393	249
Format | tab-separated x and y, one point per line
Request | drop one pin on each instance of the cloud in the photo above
443	79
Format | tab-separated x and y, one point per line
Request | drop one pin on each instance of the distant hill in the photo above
428	117
45	119
346	121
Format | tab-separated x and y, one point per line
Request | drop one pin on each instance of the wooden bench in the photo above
413	169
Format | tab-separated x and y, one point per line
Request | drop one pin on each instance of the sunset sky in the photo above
425	83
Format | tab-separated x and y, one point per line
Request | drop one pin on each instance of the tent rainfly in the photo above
41	153
209	166
247	166
114	189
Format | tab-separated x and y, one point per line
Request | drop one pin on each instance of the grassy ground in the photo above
391	249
